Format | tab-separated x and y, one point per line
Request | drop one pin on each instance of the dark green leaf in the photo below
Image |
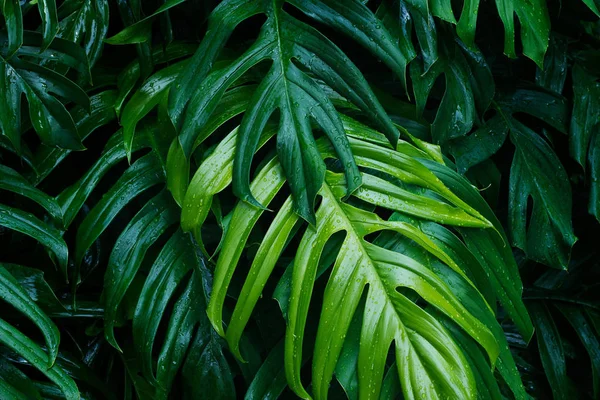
536	173
16	296
17	342
30	225
131	246
550	346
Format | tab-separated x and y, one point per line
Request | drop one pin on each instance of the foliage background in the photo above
508	125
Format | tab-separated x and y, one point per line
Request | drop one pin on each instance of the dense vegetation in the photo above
278	198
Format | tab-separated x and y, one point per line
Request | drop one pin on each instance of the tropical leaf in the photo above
130	75
365	264
178	266
100	113
13	294
148	189
48	115
536	173
468	94
285	87
13	16
533	17
28	224
86	23
33	354
583	321
593	5
584	142
141	30
16	385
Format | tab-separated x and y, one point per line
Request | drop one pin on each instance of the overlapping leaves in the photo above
564	310
177	274
426	279
536	173
21	75
295	50
390	315
36	65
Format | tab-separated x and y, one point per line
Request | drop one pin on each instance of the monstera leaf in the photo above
533	17
469	89
246	151
389	314
536	173
299	54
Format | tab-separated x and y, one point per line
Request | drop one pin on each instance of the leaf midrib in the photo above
351	231
280	52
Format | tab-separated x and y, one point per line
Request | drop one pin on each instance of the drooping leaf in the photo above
12	181
30	225
536	173
16	296
554	73
535	27
19	343
125	260
101	113
143	174
269	381
145	99
37	288
589	337
583	135
469	89
168	271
